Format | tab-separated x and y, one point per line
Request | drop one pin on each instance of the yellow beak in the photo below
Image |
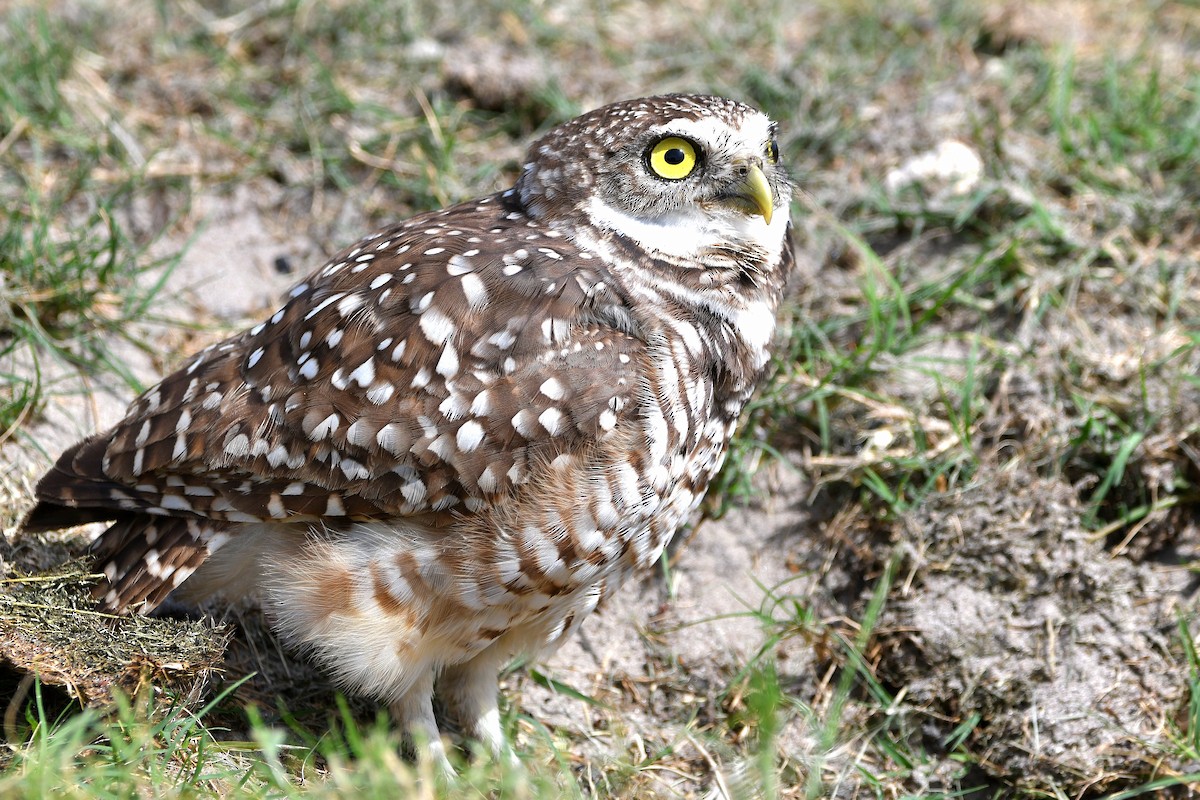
755	190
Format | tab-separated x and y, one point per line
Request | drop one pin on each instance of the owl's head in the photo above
681	175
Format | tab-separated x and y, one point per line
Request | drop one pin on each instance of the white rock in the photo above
951	168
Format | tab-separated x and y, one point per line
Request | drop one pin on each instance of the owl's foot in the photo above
414	715
469	692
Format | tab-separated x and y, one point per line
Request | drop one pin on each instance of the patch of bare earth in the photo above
1012	616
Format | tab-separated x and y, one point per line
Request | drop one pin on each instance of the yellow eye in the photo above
672	158
773	151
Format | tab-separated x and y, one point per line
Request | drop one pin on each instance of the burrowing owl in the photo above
459	435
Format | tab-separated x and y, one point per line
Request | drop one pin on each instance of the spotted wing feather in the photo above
421	372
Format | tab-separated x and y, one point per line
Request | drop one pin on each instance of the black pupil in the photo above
774	151
674	156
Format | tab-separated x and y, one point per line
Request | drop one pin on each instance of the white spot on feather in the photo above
436	326
353	470
389	438
487	480
277	456
442	446
522	423
475	291
454	406
503	339
458	265
325	427
553	388
364	373
238	446
333	298
359	434
380	393
447	365
470	434
174	502
551	419
413	491
481	406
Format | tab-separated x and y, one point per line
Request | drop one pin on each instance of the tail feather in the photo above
47	516
75	491
144	558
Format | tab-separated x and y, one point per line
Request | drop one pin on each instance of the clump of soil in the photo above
49	627
1014	617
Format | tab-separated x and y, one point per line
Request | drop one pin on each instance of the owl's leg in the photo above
469	692
413	712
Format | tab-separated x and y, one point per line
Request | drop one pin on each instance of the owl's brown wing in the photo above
421	372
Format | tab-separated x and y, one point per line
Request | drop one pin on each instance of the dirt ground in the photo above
1015	626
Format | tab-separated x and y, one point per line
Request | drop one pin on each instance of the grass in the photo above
1043	324
74	274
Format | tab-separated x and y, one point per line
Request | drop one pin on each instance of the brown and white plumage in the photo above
461	433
